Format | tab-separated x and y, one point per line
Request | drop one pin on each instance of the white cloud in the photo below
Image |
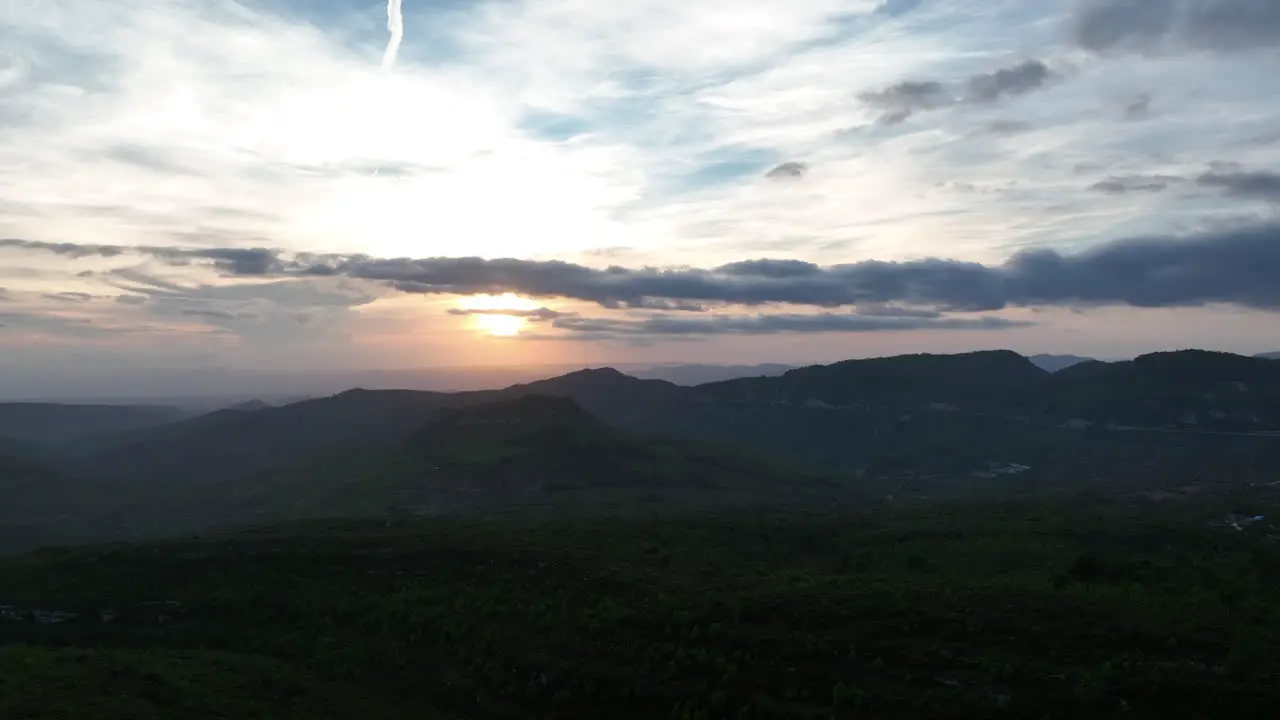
248	102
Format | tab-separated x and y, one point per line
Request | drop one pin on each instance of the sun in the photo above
487	315
499	325
505	301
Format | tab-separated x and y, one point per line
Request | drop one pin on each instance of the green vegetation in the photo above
970	537
531	453
1062	608
39	683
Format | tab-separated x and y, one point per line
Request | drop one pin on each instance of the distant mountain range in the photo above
1054	363
701	374
1269	356
241	389
599	437
57	422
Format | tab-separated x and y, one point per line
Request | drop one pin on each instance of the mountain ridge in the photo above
526	453
1055	363
877	423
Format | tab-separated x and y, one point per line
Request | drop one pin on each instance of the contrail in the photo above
395	23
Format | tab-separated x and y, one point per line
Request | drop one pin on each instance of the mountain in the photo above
1188	389
1269	356
920	424
545	448
693	374
850	416
41	505
250	405
979	378
55	423
232	443
527	453
618	399
1054	363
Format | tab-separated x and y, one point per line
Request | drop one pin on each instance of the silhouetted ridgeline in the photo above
1054	363
919	425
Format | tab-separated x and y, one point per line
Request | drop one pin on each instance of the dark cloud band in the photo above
536	314
1250	185
1146	25
1237	266
768	324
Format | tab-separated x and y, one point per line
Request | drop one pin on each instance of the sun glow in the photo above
488	316
490	303
499	325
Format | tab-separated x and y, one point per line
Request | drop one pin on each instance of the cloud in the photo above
1135	183
791	169
904	99
1019	79
1008	127
1235	266
770	324
894	8
1238	183
598	126
895	311
778	269
1151	25
236	261
72	297
158	159
651	303
217	315
395	27
100	330
1138	107
534	315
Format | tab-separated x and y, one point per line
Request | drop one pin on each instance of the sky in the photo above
191	187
